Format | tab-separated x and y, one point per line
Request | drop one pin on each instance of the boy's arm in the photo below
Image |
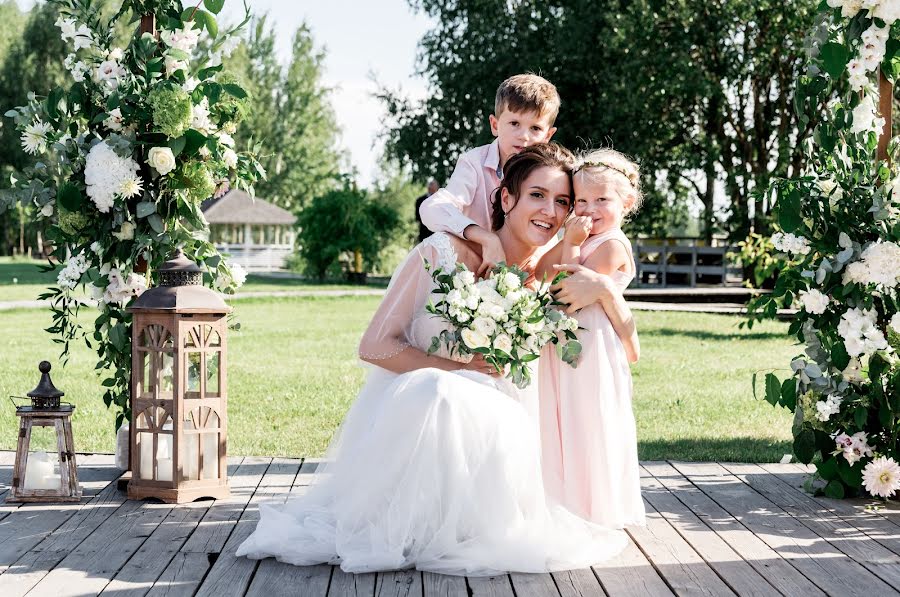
443	212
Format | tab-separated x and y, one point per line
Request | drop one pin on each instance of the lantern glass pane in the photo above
167	375
148	380
190	455
212	373
193	372
145	451
210	455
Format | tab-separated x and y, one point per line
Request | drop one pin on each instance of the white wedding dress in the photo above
431	469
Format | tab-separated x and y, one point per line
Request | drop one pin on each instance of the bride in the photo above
437	463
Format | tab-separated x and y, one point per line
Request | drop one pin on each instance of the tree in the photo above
292	116
345	220
699	93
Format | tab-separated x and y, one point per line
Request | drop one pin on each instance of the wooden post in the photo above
885	105
148	24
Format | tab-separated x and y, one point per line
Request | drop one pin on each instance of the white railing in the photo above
257	258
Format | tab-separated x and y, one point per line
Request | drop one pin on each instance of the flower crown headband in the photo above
608	167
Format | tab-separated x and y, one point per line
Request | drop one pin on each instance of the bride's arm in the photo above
386	342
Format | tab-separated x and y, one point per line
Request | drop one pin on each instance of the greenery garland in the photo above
839	233
125	155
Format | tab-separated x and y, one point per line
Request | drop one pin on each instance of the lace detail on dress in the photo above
447	256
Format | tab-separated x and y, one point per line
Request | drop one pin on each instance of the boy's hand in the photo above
578	228
491	248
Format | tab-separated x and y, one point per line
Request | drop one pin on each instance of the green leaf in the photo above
860	416
789	394
828	469
207	72
194	140
69	196
214	6
805	445
851	475
234	90
156	223
877	366
773	389
145	208
117	336
834	490
205	19
789	216
834	58
177	145
839	357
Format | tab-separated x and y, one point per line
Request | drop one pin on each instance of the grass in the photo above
293	373
21	280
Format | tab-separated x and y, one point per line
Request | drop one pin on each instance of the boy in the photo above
525	109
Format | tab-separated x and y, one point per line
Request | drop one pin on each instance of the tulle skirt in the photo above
438	471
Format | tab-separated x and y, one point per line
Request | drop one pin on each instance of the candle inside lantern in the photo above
39	472
164	455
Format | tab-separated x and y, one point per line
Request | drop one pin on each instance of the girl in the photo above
588	433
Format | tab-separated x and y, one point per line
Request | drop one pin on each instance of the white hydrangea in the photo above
865	117
894	324
825	409
879	264
814	301
106	174
887	10
237	278
860	332
790	243
71	274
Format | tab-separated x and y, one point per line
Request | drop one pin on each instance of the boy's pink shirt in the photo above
466	199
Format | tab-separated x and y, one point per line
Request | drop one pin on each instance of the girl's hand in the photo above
578	228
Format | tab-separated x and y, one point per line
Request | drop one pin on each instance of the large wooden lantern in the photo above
178	396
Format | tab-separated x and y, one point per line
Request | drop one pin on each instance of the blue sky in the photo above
360	38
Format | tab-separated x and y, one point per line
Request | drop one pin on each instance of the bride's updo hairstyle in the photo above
520	166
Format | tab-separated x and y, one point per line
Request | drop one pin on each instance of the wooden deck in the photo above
712	529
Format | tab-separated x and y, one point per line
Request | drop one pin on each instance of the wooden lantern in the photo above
178	396
34	479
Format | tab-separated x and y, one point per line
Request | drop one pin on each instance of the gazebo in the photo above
255	233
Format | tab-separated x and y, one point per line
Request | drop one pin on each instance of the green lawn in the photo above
293	372
21	280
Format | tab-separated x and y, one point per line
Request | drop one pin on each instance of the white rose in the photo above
484	325
511	281
47	210
814	301
474	339
467	277
503	343
895	323
161	159
230	158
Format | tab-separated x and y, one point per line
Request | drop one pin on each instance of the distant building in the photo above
258	235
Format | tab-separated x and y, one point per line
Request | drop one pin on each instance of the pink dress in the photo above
588	437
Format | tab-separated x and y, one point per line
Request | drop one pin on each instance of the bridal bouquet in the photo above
500	318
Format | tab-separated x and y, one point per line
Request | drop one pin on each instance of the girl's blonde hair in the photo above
625	171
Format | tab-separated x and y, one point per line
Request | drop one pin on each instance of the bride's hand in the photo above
482	366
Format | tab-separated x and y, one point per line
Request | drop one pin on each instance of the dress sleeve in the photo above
443	211
389	332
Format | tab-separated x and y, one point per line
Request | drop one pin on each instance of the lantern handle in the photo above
14	398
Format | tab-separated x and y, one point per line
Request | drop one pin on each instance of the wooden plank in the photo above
91	565
276	578
399	583
183	575
824	521
490	586
765	560
533	585
443	585
630	574
149	562
213	531
684	569
728	564
30	524
818	560
231	574
344	584
577	583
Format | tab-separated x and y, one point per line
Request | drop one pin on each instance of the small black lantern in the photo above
33	478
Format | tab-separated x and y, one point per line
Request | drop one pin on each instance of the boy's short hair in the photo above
528	93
